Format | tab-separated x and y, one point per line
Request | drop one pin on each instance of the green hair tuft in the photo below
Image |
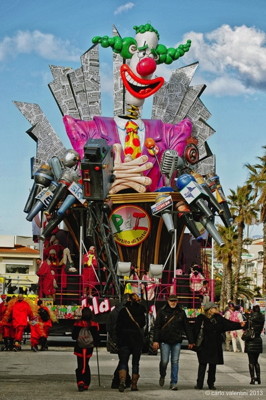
146	28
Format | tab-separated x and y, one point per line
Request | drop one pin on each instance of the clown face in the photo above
137	75
145	54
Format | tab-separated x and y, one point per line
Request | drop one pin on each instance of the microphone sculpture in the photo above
42	178
64	172
197	199
43	200
213	203
66	175
166	213
184	212
56	168
216	188
170	163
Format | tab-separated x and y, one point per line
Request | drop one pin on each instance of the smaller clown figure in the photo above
88	272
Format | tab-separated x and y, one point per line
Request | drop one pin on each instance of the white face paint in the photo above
142	66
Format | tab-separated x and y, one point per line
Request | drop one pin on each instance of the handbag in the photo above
111	345
249	333
200	338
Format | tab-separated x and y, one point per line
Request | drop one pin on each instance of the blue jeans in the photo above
166	350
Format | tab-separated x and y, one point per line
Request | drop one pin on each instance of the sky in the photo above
228	40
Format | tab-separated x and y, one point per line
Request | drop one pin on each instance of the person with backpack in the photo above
85	333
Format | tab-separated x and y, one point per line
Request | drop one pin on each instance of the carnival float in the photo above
133	199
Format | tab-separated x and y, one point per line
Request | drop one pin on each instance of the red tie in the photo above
132	142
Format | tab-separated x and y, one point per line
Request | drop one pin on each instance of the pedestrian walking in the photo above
130	338
227	314
85	332
236	336
111	342
211	351
253	346
8	331
169	326
20	311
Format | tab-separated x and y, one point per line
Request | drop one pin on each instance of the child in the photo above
83	373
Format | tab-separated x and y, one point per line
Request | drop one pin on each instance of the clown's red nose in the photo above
146	66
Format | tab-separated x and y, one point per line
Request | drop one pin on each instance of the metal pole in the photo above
80	242
175	236
212	271
98	367
212	263
174	279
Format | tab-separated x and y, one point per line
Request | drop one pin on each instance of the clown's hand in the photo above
129	173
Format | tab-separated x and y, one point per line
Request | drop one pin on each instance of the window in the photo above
17	269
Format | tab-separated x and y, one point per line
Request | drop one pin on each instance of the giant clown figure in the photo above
139	144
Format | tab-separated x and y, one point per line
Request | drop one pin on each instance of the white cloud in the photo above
123	8
44	44
226	85
235	57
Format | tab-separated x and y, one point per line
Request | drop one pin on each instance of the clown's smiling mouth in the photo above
138	87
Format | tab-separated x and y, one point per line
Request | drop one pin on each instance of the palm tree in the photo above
227	255
243	289
257	177
244	211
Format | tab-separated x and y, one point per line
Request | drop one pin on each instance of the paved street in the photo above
50	375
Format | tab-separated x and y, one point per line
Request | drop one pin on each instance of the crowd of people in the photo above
171	325
126	327
19	314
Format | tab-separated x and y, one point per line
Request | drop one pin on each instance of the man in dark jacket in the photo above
129	329
170	324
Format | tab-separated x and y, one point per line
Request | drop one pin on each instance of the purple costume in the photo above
166	136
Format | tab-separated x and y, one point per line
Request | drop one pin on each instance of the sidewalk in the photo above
50	375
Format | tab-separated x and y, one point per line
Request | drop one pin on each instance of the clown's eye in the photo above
132	48
155	56
145	53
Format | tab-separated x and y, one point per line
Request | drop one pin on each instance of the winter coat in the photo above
93	327
127	331
21	312
211	350
257	322
112	321
173	331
